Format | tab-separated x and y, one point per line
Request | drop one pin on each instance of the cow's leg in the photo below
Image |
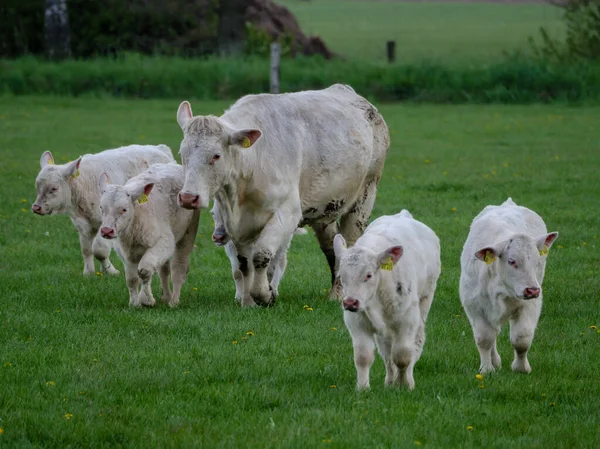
238	277
485	339
384	344
133	281
154	258
364	350
522	330
325	234
244	257
355	221
277	267
180	262
404	350
164	272
275	235
101	249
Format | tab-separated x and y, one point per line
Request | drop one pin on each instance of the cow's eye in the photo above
512	263
124	210
215	158
368	276
54	189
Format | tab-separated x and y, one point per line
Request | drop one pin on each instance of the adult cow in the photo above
275	162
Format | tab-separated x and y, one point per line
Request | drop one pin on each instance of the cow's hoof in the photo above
112	271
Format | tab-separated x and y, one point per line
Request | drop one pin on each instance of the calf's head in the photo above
209	152
220	236
517	261
53	185
360	270
118	205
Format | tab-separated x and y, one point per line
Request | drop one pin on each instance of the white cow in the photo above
388	279
276	266
502	269
72	189
150	229
276	161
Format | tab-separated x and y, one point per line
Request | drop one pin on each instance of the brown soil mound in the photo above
277	21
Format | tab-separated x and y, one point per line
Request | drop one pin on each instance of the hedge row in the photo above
514	81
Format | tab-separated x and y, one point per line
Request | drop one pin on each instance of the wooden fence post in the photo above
275	57
391	51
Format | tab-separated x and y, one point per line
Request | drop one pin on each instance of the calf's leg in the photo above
238	277
180	263
522	330
133	281
154	258
485	339
85	241
164	273
101	248
325	234
364	350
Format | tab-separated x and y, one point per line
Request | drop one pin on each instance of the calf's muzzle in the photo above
530	293
351	304
36	209
107	233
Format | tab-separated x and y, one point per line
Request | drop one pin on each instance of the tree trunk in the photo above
56	29
232	27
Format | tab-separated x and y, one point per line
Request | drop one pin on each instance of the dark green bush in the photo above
514	81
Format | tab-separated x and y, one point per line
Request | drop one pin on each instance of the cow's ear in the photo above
46	159
141	192
487	254
339	246
184	113
544	242
245	138
388	258
104	181
72	169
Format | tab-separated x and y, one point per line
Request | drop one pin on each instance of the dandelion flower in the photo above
333	328
186	372
332	386
479	376
454	209
27	230
552	404
195	289
309	309
560	246
1	430
68	415
418	443
481	386
235	342
427	161
457	315
98	273
23	200
250	333
593	327
469	427
24	210
50	383
244	338
326	440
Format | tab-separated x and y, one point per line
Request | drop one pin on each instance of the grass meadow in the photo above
448	33
79	368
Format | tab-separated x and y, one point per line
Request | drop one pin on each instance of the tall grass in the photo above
513	81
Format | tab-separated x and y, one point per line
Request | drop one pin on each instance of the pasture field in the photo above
449	33
79	368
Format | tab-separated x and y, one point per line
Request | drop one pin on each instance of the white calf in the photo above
502	269
150	229
388	279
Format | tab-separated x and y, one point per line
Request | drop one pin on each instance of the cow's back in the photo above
322	141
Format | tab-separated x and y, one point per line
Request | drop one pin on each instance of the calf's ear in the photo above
184	113
46	159
245	138
141	192
339	246
104	181
388	258
72	169
490	253
544	242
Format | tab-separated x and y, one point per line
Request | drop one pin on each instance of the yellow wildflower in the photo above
544	395
333	329
427	161
68	415
552	404
50	383
195	289
23	200
481	386
186	372
250	333
454	209
418	443
560	246
479	376
469	427
493	172
27	230
24	210
1	430
593	327
332	386
235	342
326	440
98	273
244	338
309	309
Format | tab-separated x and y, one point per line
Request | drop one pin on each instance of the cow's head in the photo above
53	185
516	262
118	204
209	151
359	271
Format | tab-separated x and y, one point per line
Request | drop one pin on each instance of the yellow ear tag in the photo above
76	174
544	251
489	258
143	198
246	143
387	265
50	162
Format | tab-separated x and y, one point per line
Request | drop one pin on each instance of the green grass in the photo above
71	348
450	33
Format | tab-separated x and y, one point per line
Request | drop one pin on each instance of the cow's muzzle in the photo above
37	209
351	304
530	293
107	233
188	200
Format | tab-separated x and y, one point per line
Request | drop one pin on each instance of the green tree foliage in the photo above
582	19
